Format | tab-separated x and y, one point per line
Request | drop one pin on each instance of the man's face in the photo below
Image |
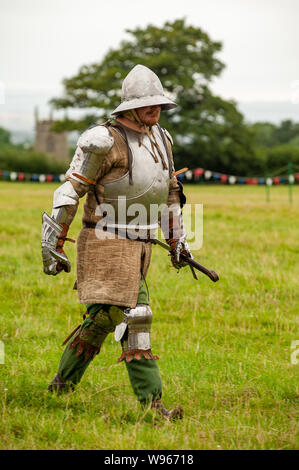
149	115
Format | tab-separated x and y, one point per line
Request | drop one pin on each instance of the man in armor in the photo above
124	162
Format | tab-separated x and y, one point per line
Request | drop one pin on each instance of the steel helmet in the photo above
142	87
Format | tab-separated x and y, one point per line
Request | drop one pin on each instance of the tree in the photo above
286	131
207	130
264	133
4	136
279	156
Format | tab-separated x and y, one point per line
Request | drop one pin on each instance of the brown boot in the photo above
176	413
58	385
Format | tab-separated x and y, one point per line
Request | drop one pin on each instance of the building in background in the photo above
47	141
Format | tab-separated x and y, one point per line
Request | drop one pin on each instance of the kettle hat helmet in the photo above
142	87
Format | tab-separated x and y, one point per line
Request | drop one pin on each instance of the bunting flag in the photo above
198	172
196	175
202	175
223	178
40	178
251	181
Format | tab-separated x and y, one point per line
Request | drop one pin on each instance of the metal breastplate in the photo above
150	184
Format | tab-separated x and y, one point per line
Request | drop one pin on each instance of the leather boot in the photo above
58	385
176	413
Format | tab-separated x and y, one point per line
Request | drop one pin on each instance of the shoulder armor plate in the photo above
97	140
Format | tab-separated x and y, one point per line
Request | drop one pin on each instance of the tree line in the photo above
23	158
274	145
207	130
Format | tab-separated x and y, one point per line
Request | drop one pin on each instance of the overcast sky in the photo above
43	41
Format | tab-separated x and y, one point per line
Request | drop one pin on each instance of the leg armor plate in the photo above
135	333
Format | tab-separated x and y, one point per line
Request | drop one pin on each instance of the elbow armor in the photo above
92	147
65	195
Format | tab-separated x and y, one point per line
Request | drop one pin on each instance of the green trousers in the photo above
84	344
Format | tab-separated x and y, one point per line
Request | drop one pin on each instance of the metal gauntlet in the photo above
51	231
55	228
175	235
135	333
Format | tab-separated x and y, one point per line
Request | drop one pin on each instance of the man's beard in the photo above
149	118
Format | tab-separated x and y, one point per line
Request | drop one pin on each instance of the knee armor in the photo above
135	333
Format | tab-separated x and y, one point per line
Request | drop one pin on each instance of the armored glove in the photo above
177	237
53	238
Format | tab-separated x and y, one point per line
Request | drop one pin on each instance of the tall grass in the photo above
224	348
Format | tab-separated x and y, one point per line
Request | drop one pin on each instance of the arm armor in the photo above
93	145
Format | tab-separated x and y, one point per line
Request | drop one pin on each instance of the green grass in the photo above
224	348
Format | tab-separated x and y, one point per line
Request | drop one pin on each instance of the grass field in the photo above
225	348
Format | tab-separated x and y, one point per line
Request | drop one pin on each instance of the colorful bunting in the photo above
189	175
251	180
198	172
232	179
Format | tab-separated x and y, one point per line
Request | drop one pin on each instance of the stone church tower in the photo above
52	143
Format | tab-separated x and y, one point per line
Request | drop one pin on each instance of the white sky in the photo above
43	41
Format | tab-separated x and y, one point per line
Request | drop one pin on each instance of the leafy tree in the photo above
264	133
207	130
286	131
276	145
267	134
295	141
279	156
14	158
4	136
17	157
180	55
